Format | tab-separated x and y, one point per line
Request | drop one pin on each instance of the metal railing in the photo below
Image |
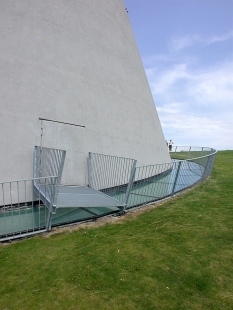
26	206
189	166
48	162
111	175
191	152
21	213
120	178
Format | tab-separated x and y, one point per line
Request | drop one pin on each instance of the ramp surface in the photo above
77	197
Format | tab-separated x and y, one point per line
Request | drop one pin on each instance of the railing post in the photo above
90	180
212	157
49	219
175	181
206	167
130	184
189	152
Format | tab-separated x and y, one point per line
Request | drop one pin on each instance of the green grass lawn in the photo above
176	256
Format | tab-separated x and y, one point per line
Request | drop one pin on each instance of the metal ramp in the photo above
48	166
75	196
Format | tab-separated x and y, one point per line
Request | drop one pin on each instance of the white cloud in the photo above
195	106
179	43
207	86
221	38
194	94
167	78
186	129
214	86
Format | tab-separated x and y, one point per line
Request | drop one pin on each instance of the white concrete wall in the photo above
73	62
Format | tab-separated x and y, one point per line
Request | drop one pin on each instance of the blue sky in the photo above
187	51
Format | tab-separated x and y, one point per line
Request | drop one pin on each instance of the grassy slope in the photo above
178	256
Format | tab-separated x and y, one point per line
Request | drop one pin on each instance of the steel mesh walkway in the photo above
76	197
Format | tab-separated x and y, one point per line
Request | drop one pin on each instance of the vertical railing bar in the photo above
101	165
17	188
160	184
141	179
189	152
96	171
129	165
12	225
25	199
48	226
94	174
90	170
105	172
126	171
146	181
109	170
130	184
49	168
93	166
134	187
39	222
121	172
125	176
3	196
101	171
98	174
52	163
118	177
32	212
151	189
177	173
203	177
115	172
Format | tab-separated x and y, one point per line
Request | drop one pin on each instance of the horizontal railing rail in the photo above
191	152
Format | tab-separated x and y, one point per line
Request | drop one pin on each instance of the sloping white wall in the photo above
74	62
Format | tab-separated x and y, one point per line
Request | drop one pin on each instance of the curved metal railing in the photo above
148	184
190	165
21	214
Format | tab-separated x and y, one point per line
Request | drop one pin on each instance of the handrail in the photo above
117	177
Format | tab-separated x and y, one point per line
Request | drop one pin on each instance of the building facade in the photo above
71	78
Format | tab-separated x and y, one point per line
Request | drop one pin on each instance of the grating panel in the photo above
74	196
